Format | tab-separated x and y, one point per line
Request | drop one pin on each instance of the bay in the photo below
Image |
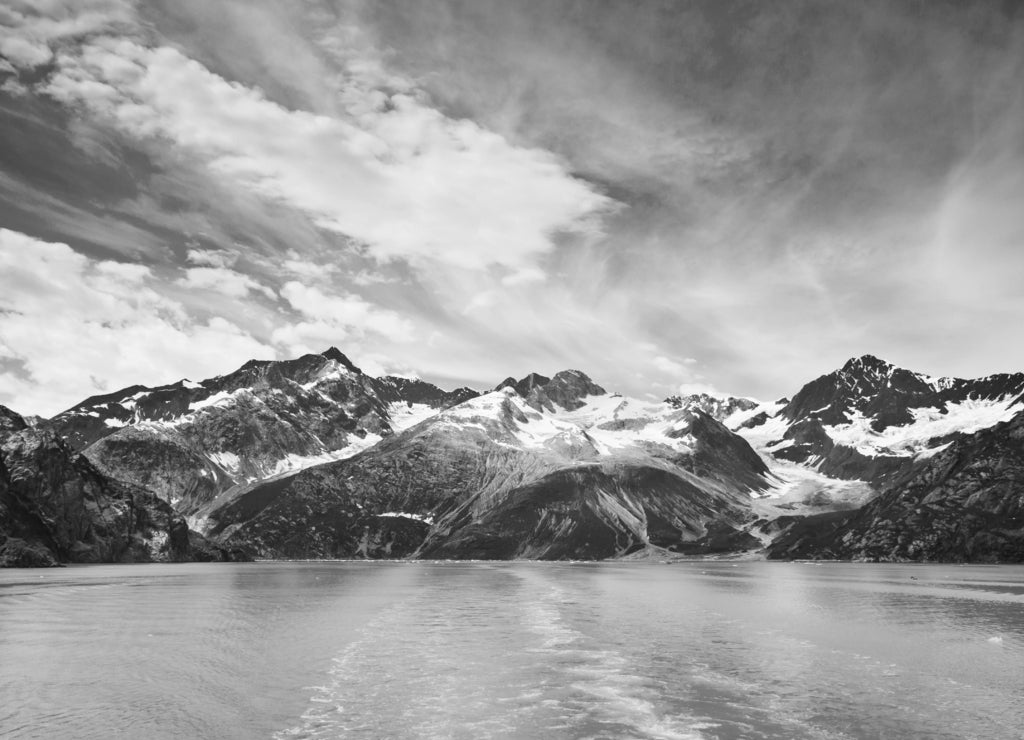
517	650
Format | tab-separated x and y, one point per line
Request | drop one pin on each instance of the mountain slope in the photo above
556	469
964	503
870	420
187	442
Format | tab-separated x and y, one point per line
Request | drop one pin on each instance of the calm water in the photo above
529	650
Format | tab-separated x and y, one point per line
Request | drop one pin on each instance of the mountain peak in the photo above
524	386
333	353
11	421
567	389
867	362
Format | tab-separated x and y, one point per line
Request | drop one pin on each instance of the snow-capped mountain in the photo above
870	420
542	467
965	502
313	458
189	441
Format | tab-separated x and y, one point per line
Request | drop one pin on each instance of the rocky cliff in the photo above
56	507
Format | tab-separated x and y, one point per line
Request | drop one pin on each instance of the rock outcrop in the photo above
55	507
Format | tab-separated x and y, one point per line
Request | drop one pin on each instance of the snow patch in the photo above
425	518
737	418
971	415
114	423
292	462
931	452
221	398
336	373
404	415
227	460
794	488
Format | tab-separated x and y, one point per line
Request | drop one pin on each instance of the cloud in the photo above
30	30
211	257
65	318
397	175
335	319
534	186
224	281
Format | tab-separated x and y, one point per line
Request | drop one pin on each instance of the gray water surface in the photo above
519	650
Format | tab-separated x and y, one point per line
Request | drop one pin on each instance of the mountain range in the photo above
313	458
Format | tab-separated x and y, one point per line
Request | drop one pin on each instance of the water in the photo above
518	650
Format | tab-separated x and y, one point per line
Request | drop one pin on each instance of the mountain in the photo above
539	468
313	458
56	507
878	438
188	442
963	503
869	421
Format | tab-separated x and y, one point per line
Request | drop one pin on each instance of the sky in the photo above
723	195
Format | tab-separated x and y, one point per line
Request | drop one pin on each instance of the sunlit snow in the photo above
969	416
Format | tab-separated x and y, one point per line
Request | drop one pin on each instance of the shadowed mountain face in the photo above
312	458
56	507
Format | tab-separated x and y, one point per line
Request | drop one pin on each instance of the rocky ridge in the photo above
188	442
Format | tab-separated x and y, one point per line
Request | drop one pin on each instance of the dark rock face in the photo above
722	455
324	511
524	386
392	389
566	390
813	447
164	462
56	507
10	421
585	512
966	503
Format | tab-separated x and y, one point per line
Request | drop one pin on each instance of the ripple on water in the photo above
503	666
